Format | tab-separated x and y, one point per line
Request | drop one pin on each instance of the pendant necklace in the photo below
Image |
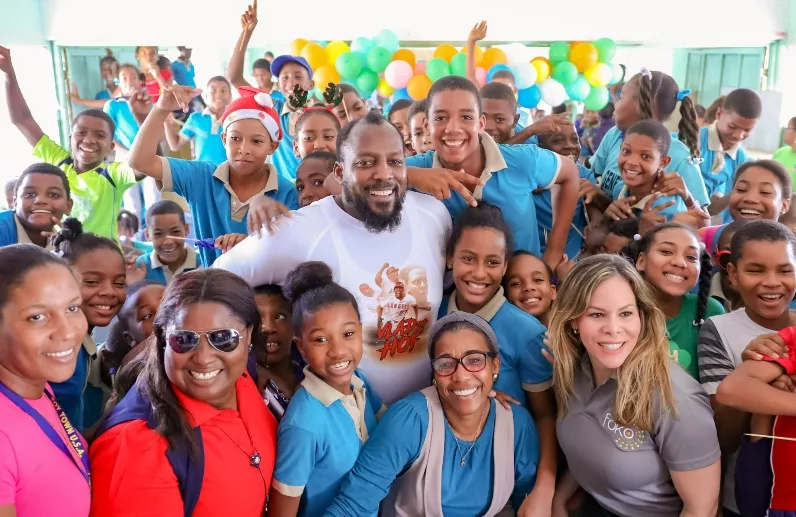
254	458
475	439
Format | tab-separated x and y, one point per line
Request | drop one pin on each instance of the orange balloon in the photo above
445	51
325	75
479	55
583	56
493	56
418	87
297	45
572	45
404	54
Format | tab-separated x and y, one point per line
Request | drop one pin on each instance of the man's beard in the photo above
375	222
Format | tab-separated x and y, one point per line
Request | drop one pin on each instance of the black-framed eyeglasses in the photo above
473	362
183	341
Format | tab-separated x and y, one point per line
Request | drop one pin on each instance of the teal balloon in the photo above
378	59
597	99
437	68
579	89
458	65
318	94
349	65
529	97
565	73
606	50
322	43
559	52
362	46
367	81
387	39
617	74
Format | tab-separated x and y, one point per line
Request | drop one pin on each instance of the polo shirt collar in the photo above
215	124
222	173
585	366
200	412
325	394
493	162
624	192
90	345
22	235
488	311
714	142
190	261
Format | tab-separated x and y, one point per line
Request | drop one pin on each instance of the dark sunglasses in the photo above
473	362
183	341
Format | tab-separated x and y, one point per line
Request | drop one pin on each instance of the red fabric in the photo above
131	476
152	86
250	99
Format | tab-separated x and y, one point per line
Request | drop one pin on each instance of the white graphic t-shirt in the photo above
412	258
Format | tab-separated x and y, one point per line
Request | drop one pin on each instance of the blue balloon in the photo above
495	69
362	46
529	97
387	39
400	94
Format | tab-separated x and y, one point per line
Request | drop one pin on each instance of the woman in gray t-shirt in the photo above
637	430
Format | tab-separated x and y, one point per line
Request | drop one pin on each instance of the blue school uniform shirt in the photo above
102	95
533	140
215	208
126	124
284	159
159	272
69	393
677	207
205	131
183	75
12	231
605	164
318	441
511	174
521	339
718	166
466	491
543	200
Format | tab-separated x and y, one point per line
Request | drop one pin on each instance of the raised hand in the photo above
136	272
651	215
478	32
440	182
248	20
551	123
5	60
265	212
621	209
177	97
140	102
671	184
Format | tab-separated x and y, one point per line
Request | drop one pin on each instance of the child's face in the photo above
309	181
248	145
40	199
139	312
318	133
529	287
331	343
292	74
455	123
355	107
479	263
733	128
639	160
400	119
671	264
123	230
147	55
757	194
128	80
421	140
264	78
765	277
277	327
109	70
626	109
564	142
91	140
102	274
614	243
161	230
500	117
218	95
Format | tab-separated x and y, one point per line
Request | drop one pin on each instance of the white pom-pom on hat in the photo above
264	100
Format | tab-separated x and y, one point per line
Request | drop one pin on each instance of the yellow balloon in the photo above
418	87
297	45
598	75
542	66
325	75
479	55
315	55
385	89
405	54
335	49
446	51
493	56
583	55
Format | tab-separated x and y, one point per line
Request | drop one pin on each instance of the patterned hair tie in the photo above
682	94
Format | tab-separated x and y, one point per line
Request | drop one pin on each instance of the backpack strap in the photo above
102	171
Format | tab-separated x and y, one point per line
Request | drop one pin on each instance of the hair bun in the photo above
71	229
306	277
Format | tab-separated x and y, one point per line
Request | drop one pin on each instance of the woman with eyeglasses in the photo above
192	436
449	449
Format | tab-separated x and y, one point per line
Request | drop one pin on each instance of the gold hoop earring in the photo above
495	378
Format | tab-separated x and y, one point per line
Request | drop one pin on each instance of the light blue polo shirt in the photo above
205	131
521	339
102	95
544	217
320	438
467	490
718	166
676	208
159	272
533	140
511	174
183	75
605	163
12	231
284	159
126	124
215	208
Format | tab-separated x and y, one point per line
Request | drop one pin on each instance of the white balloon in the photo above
553	92
524	75
516	53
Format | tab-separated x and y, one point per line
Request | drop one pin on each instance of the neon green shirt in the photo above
97	194
787	157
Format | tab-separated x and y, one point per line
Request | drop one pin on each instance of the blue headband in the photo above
682	94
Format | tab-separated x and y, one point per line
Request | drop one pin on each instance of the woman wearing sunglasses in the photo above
450	435
192	437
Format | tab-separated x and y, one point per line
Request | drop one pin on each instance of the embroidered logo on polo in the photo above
626	438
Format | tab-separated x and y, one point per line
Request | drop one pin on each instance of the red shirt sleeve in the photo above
789	363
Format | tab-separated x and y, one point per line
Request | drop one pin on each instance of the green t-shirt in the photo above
787	157
97	197
683	335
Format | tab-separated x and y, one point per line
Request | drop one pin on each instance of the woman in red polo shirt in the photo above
193	436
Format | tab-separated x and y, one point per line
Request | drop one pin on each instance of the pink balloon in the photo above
398	74
480	74
420	68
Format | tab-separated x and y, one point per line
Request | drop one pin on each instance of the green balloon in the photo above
458	65
378	59
437	68
367	81
565	73
559	52
606	49
349	65
597	98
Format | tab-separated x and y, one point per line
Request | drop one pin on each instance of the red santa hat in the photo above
253	104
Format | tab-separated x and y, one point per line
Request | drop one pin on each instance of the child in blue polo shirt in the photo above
219	196
167	229
334	411
127	123
41	199
204	129
182	69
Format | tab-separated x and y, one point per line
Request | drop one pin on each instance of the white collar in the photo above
714	142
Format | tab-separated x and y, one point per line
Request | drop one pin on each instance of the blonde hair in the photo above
644	376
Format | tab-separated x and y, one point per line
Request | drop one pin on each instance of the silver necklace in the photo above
477	434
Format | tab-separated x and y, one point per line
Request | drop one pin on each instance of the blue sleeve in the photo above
536	372
102	95
190	178
692	177
424	161
676	208
586	173
373	399
291	199
188	130
599	160
295	459
526	455
544	164
110	109
389	452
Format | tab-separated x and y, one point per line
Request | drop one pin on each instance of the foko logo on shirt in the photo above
627	438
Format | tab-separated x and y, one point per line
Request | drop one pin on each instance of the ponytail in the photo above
688	129
645	95
705	276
